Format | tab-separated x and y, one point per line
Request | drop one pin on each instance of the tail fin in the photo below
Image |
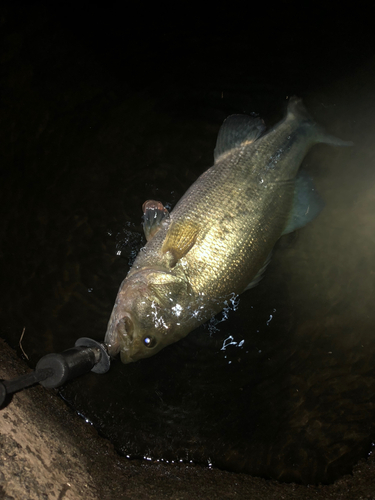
296	109
331	139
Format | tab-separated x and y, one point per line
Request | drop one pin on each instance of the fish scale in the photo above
217	240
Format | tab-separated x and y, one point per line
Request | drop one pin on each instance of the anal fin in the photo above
307	204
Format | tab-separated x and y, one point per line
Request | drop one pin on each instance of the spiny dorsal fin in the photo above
236	131
153	215
180	238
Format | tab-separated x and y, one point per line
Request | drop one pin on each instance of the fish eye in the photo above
149	341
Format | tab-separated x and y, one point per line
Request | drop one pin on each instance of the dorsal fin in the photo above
237	130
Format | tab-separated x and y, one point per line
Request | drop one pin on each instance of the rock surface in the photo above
48	452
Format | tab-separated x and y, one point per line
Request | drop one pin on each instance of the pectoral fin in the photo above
307	203
180	238
153	215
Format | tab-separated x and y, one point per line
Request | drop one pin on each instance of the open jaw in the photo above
119	333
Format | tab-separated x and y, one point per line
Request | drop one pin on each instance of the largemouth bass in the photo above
217	240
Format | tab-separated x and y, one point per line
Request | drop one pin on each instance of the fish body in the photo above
217	240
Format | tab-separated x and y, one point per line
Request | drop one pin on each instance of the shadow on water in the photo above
284	387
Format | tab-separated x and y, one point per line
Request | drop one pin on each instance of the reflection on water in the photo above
282	383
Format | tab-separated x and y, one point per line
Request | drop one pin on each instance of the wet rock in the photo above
47	451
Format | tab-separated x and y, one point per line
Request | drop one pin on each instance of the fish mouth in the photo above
125	357
112	340
113	345
119	346
119	335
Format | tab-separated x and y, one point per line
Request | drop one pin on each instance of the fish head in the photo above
144	319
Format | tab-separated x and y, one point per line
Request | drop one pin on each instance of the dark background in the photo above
106	105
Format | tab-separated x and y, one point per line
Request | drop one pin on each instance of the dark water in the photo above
94	121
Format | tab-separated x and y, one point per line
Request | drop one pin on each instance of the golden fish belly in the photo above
241	227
